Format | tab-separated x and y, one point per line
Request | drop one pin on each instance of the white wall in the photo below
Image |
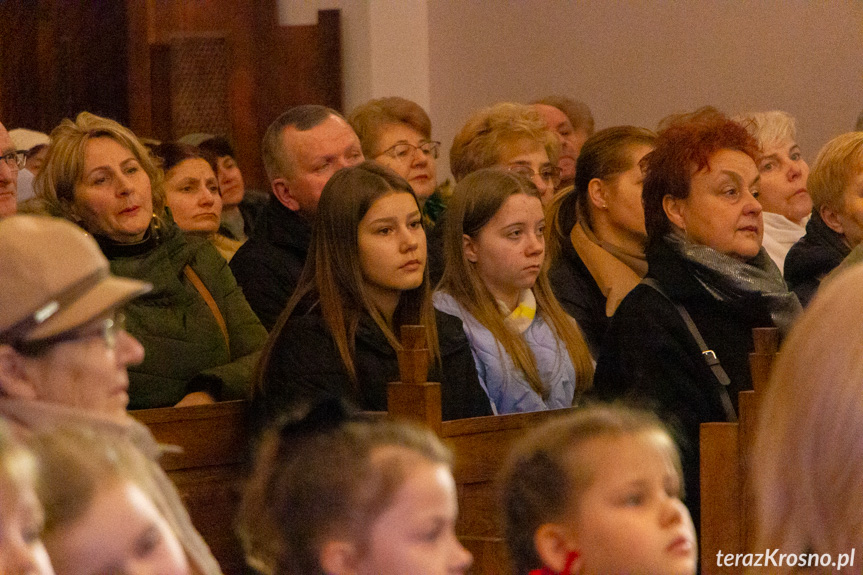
385	49
637	61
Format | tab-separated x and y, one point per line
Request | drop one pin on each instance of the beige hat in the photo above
54	278
25	140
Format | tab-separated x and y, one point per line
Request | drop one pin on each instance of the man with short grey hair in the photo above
301	150
10	162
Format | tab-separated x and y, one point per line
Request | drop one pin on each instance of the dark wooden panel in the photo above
478	510
720	493
212	496
209	434
210	470
330	57
489	555
160	93
61	57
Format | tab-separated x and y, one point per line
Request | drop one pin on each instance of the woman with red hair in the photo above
679	341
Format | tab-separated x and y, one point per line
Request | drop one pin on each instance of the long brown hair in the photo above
332	276
475	201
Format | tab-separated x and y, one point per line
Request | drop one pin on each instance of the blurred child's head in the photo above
21	520
604	486
358	497
807	459
98	516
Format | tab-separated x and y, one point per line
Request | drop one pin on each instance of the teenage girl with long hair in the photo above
530	355
365	277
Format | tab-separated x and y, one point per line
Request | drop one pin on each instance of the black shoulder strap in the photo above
708	354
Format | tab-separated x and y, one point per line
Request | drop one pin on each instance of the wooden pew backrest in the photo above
480	445
727	504
210	469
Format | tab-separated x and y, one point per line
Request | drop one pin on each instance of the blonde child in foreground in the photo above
808	452
98	516
336	496
21	549
598	492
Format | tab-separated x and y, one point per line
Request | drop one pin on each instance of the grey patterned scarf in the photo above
728	279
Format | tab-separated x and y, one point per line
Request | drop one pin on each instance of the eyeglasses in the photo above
550	174
15	159
405	151
108	329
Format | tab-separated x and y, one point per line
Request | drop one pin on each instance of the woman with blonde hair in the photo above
510	136
836	226
808	453
530	355
200	336
786	202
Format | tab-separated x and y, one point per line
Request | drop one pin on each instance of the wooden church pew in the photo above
210	469
480	445
727	505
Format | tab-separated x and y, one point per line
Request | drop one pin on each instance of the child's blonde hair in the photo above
75	464
808	453
543	478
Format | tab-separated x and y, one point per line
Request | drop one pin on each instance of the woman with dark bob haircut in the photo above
365	276
708	279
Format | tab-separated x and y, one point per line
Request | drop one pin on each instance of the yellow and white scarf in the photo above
522	316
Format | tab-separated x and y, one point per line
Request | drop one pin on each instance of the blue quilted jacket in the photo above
507	388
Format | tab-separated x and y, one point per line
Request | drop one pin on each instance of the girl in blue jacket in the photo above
530	355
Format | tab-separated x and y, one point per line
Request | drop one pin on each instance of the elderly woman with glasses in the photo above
64	353
396	133
510	136
202	338
680	340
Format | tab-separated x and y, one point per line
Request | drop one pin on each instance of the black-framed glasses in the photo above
405	151
15	159
107	328
549	174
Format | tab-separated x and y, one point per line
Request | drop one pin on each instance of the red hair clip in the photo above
570	559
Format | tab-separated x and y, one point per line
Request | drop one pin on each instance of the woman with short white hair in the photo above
784	173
